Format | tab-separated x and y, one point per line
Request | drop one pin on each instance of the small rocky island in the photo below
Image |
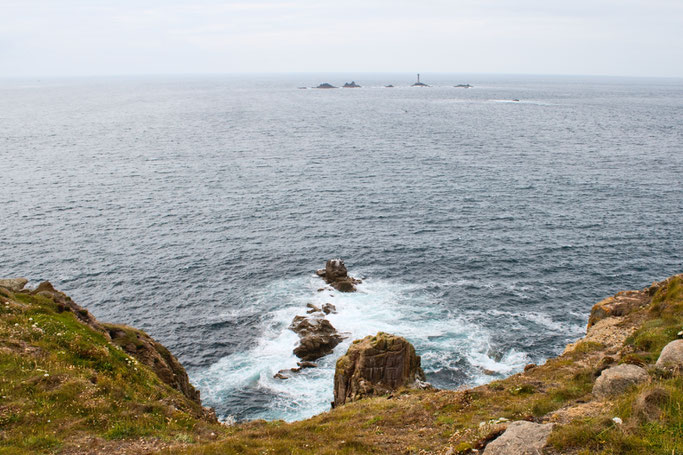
463	86
351	84
325	85
336	275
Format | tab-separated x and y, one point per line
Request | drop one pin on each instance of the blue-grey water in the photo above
197	209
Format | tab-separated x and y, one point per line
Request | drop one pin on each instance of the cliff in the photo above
67	388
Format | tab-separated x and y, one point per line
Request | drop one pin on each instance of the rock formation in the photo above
618	305
351	84
317	337
376	365
336	275
521	438
619	379
13	284
326	85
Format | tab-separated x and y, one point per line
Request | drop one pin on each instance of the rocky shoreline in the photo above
617	390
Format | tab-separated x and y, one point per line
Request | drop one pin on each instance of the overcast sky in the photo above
91	37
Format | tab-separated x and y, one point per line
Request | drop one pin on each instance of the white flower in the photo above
617	420
46	375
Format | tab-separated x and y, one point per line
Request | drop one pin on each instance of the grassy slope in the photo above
63	384
95	389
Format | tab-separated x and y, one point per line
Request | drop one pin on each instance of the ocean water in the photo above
198	208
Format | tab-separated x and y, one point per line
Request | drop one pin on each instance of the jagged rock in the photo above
620	304
336	275
375	365
279	375
14	284
671	356
329	308
520	438
317	337
303	365
617	380
351	84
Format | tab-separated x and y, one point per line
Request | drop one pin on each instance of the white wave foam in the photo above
444	339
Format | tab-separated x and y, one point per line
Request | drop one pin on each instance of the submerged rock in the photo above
336	275
521	438
619	379
317	337
329	308
376	365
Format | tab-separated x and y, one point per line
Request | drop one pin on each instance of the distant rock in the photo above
376	365
389	86
619	379
671	357
14	284
351	84
326	85
463	86
336	275
520	438
317	337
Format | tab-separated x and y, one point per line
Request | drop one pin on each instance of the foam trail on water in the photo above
450	346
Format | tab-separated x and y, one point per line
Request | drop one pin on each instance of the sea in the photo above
484	222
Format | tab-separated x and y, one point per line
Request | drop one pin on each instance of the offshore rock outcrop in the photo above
317	337
336	275
376	365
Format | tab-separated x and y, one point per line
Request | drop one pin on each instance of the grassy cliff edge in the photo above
67	386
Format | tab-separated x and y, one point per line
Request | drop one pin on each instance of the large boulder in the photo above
317	337
521	438
671	356
376	365
336	275
13	284
619	379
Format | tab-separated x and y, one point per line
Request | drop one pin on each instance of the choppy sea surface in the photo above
198	208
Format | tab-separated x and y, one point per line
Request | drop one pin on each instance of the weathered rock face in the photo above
14	284
617	380
336	275
317	337
620	304
520	438
65	303
671	357
375	365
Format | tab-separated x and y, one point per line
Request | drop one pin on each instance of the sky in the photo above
128	37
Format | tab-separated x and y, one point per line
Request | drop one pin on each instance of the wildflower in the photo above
617	420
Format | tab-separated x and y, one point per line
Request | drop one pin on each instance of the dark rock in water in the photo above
351	84
279	375
302	88
336	275
329	308
376	365
389	86
463	86
307	365
317	337
326	85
